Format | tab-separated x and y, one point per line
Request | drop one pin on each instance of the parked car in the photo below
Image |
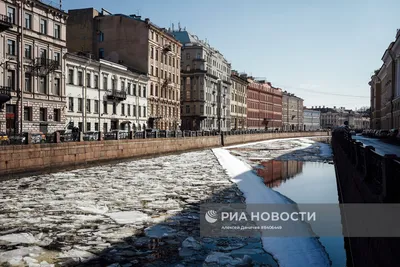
4	140
91	136
393	134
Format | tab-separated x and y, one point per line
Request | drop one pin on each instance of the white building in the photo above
312	119
104	96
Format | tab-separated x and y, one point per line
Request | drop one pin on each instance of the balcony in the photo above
5	23
117	95
167	48
5	94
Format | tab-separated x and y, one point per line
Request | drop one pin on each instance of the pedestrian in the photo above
346	128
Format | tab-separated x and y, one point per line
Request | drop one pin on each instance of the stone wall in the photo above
353	187
16	159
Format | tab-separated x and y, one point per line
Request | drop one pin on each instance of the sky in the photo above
322	51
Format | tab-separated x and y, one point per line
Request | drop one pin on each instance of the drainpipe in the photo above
100	102
393	86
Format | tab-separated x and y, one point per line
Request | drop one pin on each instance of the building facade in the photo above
335	117
292	112
238	102
375	92
104	96
264	105
312	119
141	46
37	89
205	85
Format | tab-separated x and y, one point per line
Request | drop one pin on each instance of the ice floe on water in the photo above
288	251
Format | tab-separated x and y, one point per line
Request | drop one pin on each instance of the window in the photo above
151	89
105	107
101	36
139	111
187	56
80	80
43	26
57	31
56	114
156	54
151	70
80	105
161	73
11	47
134	89
139	91
129	109
187	109
156	90
96	126
122	85
28	21
123	109
57	86
156	37
170	61
144	91
113	83
11	79
114	108
43	53
134	110
57	57
88	80
101	53
43	114
71	76
88	126
96	81
42	84
156	72
80	126
129	88
105	81
71	104
144	111
105	127
88	108
11	14
152	52
27	113
173	63
28	82
28	51
96	106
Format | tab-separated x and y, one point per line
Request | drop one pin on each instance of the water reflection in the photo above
276	172
306	183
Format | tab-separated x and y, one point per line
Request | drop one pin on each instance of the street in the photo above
380	146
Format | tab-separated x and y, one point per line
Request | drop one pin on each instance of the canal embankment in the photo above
16	159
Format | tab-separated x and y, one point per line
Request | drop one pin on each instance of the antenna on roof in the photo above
173	27
184	28
179	26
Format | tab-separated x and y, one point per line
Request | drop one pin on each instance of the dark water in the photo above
307	183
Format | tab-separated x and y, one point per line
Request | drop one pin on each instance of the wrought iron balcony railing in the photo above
116	94
5	22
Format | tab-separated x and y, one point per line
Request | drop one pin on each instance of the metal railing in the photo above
5	90
63	137
380	173
117	94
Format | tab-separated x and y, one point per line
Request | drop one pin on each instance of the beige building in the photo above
375	89
141	46
40	49
238	101
292	112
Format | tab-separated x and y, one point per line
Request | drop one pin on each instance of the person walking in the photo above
347	134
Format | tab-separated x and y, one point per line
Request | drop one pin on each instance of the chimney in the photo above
147	20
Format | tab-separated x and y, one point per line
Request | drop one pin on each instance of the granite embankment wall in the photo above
363	176
17	159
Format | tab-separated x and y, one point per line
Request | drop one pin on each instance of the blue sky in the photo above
319	50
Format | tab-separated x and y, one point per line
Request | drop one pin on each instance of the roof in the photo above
185	37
